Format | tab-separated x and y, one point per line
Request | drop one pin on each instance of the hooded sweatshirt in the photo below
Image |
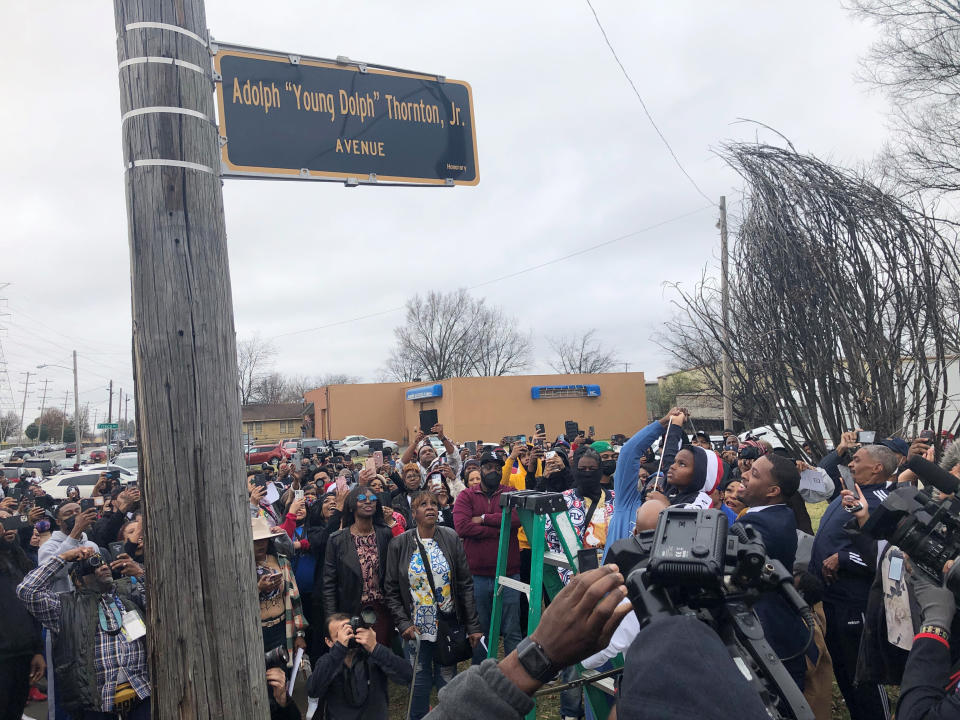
707	474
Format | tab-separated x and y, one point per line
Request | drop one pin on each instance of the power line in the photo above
644	106
502	277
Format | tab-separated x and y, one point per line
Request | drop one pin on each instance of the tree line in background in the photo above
443	335
54	425
456	335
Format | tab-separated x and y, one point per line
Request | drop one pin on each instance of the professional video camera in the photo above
926	529
693	563
366	619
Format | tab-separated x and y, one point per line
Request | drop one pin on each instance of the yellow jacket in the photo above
517	479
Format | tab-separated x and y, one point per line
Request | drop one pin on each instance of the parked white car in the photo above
363	447
56	485
128	461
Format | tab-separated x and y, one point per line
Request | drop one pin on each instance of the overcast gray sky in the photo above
567	160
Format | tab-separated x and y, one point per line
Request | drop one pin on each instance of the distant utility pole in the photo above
725	311
106	434
205	655
43	406
63	422
77	431
23	410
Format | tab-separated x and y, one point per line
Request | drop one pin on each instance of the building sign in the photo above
426	391
542	392
292	117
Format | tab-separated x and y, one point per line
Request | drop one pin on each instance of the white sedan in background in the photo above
56	485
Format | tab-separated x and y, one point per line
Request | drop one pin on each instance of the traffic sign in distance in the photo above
292	117
107	426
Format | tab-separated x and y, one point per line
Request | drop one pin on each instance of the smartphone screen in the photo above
588	559
115	548
98	501
378	458
298	494
540	429
866	437
86	504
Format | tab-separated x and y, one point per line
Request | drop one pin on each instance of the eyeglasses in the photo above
363	498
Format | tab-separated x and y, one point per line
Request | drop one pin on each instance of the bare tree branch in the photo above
580	355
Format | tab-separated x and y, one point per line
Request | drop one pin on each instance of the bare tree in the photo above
273	388
254	359
917	63
9	424
338	379
580	355
454	335
843	304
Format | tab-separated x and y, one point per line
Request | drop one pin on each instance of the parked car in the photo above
268	454
98	456
56	486
128	461
21	452
128	448
46	466
70	450
312	446
363	447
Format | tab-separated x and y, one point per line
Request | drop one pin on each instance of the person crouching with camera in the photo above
351	678
929	689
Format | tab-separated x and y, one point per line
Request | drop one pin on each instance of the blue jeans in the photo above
428	673
483	588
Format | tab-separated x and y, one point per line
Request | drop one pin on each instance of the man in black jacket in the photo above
845	560
768	485
351	679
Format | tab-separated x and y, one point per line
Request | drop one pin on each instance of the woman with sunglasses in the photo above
354	565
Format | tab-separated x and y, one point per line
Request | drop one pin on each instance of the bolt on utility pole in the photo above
205	655
725	311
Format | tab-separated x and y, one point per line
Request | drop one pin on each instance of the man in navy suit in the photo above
767	486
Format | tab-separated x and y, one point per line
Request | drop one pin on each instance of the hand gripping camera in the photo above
694	563
366	619
926	529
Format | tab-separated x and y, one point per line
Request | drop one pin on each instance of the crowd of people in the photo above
385	572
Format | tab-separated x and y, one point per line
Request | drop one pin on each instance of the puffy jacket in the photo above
74	649
342	576
397	586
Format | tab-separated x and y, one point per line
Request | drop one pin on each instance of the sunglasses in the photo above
364	498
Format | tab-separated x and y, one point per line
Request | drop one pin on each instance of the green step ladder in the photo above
534	508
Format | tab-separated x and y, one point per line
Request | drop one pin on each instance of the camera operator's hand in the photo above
410	633
583	616
77	553
345	635
277	682
366	638
937	604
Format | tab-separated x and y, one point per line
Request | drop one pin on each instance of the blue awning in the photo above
426	391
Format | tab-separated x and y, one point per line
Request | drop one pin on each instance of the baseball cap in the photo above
898	445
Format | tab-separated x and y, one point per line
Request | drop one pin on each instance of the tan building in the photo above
483	408
272	422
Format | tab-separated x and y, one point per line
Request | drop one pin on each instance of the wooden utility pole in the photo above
63	423
106	434
204	638
43	407
23	410
77	431
725	311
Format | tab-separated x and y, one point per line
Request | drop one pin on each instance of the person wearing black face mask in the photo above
476	518
608	461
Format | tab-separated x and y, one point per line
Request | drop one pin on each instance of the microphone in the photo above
934	475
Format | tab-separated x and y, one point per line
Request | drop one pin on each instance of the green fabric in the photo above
601	446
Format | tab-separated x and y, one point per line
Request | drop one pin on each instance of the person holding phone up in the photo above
846	562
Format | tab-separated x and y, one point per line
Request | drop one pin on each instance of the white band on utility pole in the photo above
165	26
162	61
170	163
163	109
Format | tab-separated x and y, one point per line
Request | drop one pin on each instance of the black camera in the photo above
276	658
926	529
366	619
694	563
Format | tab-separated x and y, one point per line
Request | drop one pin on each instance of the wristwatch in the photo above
535	661
301	634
